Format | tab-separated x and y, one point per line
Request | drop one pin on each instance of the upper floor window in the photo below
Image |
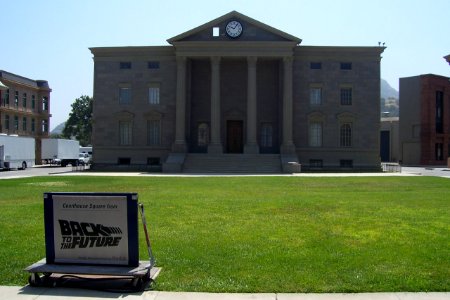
346	65
124	95
24	100
439	112
24	123
6	98
16	99
33	102
346	96
16	123
153	93
153	65
33	125
315	96
125	65
346	135
315	65
44	126
45	103
7	122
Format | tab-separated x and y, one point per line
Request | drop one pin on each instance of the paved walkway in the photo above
32	293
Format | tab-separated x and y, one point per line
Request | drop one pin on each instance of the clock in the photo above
233	29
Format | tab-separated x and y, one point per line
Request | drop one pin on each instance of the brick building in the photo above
24	107
425	120
235	94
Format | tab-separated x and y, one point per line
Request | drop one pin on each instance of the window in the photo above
346	96
125	133
346	65
125	65
44	103
346	163
315	96
153	161
266	135
439	112
7	122
124	161
439	151
33	102
16	123
16	99
24	100
153	94
33	126
315	134
44	126
125	95
153	65
203	135
216	31
346	135
154	132
315	65
315	164
6	101
24	124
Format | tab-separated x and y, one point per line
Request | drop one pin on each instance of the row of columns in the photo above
251	145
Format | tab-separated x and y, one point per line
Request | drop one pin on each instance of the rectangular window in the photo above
153	65
439	112
125	65
124	161
125	95
346	135
315	96
315	134
315	65
439	151
154	132
44	126
125	133
7	122
33	102
16	99
153	94
346	163
153	161
315	164
346	96
16	123
33	126
24	124
44	103
24	100
346	65
6	102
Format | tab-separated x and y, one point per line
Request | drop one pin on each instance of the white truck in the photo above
16	152
61	151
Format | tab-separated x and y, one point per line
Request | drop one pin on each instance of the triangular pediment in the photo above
252	31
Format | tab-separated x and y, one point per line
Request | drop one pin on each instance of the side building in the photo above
24	107
424	132
235	94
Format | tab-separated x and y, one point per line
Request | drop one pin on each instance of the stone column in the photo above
180	126
288	143
251	145
215	145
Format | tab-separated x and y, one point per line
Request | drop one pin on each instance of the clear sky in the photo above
49	39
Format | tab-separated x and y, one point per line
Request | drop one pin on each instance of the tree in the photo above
79	124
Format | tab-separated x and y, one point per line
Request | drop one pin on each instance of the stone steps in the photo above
232	163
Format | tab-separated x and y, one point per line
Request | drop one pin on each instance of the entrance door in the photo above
385	146
235	137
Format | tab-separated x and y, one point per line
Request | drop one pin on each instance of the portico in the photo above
234	130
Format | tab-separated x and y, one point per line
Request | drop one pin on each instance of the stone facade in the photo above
24	107
425	120
257	93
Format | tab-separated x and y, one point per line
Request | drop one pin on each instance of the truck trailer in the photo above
16	152
60	151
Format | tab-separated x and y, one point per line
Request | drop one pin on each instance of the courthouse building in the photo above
236	95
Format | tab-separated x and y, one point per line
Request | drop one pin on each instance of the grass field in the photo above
262	234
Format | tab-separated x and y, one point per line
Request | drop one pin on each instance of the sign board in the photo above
91	228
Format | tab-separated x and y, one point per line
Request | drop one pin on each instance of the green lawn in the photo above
262	234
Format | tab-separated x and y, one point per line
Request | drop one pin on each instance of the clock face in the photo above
234	29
